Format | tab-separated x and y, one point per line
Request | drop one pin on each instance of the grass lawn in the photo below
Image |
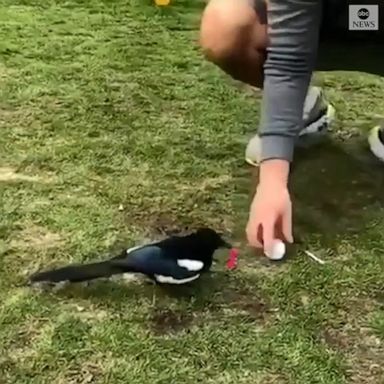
114	130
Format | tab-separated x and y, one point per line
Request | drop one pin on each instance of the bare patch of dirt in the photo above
36	237
24	344
166	321
363	351
365	356
8	174
87	373
256	309
168	225
335	339
245	301
256	264
189	208
248	377
88	313
366	371
165	225
253	306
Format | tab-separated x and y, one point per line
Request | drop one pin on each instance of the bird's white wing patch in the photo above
190	265
171	280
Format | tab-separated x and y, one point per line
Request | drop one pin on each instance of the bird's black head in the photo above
199	245
211	239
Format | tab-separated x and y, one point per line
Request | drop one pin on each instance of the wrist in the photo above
274	171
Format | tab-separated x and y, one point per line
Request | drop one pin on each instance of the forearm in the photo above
291	54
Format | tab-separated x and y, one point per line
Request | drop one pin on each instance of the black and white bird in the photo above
174	260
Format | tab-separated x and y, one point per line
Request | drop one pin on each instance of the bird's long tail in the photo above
78	273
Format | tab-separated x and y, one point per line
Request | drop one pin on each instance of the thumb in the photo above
287	225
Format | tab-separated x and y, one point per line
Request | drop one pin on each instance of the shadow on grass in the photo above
173	309
336	189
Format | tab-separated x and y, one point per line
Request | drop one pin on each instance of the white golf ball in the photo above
278	251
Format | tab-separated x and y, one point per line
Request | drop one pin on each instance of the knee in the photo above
226	29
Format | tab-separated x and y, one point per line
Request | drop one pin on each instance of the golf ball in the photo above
277	252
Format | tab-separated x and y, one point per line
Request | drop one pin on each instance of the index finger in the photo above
268	234
253	236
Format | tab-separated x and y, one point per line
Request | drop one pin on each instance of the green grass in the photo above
114	130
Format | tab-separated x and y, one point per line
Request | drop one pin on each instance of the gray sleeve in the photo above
293	42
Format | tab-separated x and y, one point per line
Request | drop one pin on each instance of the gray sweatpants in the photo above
294	32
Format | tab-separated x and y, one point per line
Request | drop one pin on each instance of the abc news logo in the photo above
364	17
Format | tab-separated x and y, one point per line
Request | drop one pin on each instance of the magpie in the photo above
174	260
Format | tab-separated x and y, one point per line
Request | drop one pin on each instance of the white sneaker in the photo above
376	141
318	115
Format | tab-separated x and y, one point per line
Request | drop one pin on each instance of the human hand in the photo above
270	214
